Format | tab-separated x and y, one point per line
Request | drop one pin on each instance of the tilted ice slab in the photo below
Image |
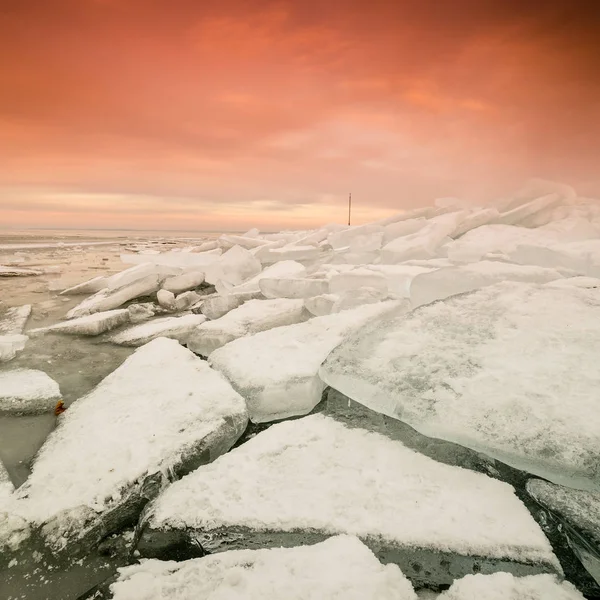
91	325
343	239
276	371
176	328
443	283
6	486
510	370
13	320
578	514
315	476
505	586
87	287
520	213
218	306
27	391
111	299
289	252
227	241
402	228
10	345
293	287
184	282
284	268
340	568
234	267
162	413
248	319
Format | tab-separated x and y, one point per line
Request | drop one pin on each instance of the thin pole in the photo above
349	207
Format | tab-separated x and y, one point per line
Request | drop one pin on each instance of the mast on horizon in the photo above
349	206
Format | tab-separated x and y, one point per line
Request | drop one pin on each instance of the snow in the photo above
6	271
13	320
579	508
510	370
10	345
307	474
276	370
249	318
142	419
234	267
111	299
293	287
505	586
340	568
184	282
94	324
284	268
27	391
443	283
177	328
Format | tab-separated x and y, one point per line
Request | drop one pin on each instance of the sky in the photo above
229	114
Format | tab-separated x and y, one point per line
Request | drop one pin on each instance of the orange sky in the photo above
225	114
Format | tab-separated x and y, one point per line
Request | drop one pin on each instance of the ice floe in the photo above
27	391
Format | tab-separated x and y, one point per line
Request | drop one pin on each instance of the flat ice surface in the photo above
249	318
443	283
177	328
276	370
340	568
511	370
315	473
94	324
13	320
27	391
579	508
18	271
505	586
139	420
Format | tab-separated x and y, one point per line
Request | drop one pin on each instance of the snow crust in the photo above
276	371
505	586
177	328
510	370
160	418
251	317
315	473
27	391
340	568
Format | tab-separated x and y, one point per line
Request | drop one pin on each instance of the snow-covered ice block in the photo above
340	568
10	345
293	287
141	311
510	370
284	268
315	476
505	586
249	318
159	415
13	320
111	299
6	271
578	514
234	267
322	305
166	299
343	239
402	228
176	328
186	300
184	260
184	282
87	287
276	371
443	283
217	306
27	391
94	324
289	252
